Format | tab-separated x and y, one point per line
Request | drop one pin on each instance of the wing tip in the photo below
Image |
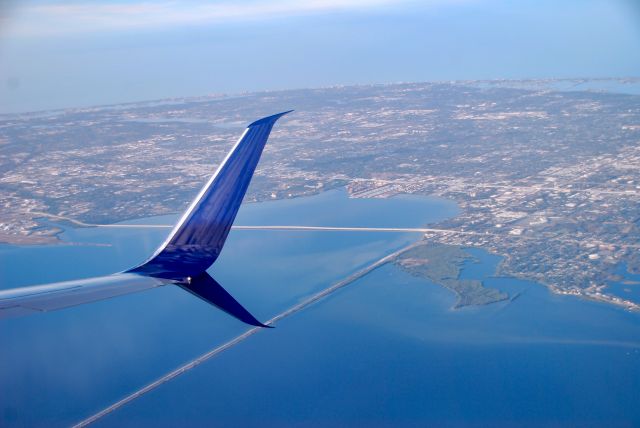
269	119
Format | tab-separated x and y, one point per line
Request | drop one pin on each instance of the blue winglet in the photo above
197	239
209	290
269	119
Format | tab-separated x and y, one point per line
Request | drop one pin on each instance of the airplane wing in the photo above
59	295
190	249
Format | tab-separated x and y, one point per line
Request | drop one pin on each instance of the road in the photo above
279	227
293	228
219	349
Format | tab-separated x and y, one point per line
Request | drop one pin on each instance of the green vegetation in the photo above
442	264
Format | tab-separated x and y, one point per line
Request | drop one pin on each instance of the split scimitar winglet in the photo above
191	248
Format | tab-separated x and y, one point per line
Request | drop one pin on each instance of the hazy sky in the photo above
68	54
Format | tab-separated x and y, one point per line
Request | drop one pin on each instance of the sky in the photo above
63	54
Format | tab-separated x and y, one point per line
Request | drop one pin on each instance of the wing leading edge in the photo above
191	248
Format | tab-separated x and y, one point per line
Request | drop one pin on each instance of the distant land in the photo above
546	172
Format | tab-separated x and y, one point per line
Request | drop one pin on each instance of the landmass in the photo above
442	265
546	172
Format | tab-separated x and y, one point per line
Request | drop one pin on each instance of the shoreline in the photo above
52	239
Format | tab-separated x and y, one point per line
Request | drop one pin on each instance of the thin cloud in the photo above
70	17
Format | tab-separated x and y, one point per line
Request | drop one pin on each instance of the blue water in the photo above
61	366
627	288
388	350
613	86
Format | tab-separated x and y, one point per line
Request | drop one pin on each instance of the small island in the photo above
442	264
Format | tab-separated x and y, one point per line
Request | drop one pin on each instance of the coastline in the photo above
52	237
